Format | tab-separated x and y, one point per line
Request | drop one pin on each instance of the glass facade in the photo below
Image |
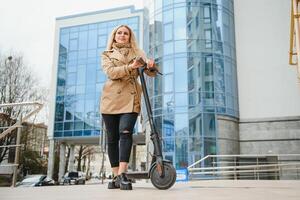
80	78
193	43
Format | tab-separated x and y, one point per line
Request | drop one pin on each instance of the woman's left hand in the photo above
150	63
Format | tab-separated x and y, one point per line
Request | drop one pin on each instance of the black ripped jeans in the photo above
119	136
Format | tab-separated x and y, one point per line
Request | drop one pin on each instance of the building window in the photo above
207	14
102	40
168	32
208	66
209	89
208	36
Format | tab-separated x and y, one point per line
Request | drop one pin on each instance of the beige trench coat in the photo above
121	92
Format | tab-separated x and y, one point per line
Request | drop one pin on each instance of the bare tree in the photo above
84	153
17	84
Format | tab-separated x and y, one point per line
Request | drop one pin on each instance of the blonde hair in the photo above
132	41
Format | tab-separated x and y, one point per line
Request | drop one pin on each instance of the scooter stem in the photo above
154	134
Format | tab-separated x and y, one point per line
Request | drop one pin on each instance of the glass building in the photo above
193	42
80	78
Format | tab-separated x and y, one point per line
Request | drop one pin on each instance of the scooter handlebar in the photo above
144	67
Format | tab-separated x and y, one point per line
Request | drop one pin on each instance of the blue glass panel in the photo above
74	35
92	53
179	1
168	32
101	77
89	108
195	144
79	108
64	41
78	125
168	48
71	79
169	101
83	28
81	74
58	134
68	133
91	74
103	31
168	83
71	68
83	38
181	99
209	124
180	23
168	145
168	66
167	2
64	30
134	26
87	132
72	55
60	91
181	124
68	126
80	89
181	74
78	133
95	132
181	160
92	39
58	126
180	46
168	16
102	25
73	45
168	126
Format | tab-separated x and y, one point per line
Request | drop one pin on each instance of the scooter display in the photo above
161	172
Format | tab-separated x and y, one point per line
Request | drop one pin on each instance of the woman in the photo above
121	99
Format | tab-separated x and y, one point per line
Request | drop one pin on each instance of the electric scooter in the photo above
161	173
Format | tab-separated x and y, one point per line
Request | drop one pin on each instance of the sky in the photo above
28	27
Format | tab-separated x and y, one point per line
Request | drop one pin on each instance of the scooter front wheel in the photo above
163	183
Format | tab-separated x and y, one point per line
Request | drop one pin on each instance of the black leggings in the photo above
119	136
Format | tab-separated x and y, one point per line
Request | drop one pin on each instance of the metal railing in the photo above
250	166
18	126
295	35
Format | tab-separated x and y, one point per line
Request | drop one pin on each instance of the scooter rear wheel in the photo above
163	183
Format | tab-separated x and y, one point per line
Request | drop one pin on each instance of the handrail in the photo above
295	35
16	125
241	156
245	166
259	168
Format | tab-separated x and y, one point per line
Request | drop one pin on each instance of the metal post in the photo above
17	153
235	176
257	168
102	149
133	158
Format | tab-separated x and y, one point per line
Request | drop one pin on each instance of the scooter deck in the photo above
138	175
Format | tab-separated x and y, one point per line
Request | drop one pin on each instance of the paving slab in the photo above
192	190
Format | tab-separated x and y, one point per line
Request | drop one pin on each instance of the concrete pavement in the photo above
218	189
